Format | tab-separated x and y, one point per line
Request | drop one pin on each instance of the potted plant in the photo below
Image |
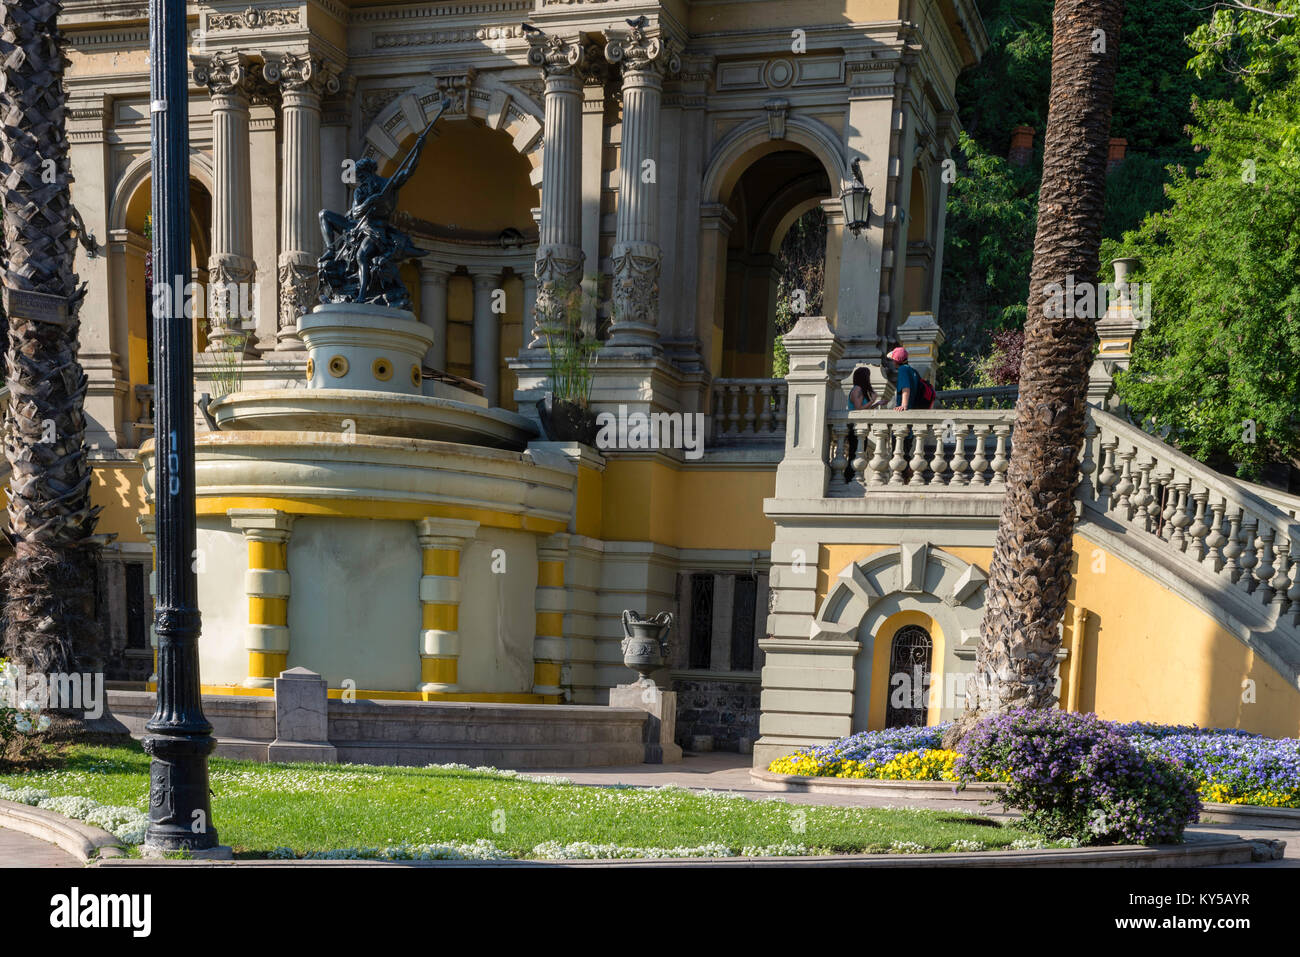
565	410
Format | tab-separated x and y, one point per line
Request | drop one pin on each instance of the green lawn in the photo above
260	807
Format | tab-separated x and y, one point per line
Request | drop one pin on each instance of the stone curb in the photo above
1250	815
1197	852
83	841
871	787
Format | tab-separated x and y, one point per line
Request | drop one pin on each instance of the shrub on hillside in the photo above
1076	776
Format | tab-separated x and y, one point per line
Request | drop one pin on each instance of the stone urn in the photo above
645	643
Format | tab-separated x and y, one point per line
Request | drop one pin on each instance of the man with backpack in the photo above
910	390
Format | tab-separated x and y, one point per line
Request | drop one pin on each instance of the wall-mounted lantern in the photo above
856	200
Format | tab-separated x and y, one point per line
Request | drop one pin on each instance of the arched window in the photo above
909	677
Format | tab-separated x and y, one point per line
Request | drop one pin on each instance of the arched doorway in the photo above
910	654
471	199
774	192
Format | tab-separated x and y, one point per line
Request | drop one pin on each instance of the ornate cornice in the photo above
253	18
423	38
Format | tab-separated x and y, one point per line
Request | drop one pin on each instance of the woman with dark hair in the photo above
862	395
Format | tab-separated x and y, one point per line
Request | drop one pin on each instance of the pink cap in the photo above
899	354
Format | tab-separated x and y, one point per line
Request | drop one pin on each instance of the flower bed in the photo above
1229	766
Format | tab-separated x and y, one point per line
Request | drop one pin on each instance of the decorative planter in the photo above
645	645
360	346
566	421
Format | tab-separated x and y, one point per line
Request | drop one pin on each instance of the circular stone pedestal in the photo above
356	346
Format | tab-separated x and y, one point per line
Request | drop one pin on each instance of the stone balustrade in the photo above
749	410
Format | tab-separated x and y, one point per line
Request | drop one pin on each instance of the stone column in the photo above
552	602
231	268
303	78
637	255
441	540
487	337
433	309
266	583
559	247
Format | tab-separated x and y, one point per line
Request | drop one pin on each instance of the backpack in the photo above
925	393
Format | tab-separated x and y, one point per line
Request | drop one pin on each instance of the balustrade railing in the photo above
993	397
1196	517
750	410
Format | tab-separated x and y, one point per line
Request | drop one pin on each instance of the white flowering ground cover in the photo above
458	812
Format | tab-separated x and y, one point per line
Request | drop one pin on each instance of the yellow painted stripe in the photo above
266	664
546	674
442	561
550	574
438	670
441	616
376	508
550	624
268	611
268	555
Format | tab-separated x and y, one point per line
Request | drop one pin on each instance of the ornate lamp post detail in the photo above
179	738
559	247
637	255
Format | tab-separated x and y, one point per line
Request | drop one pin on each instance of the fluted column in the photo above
232	271
487	337
637	255
559	249
441	541
303	78
433	309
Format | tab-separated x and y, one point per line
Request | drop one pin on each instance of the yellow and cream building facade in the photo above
658	153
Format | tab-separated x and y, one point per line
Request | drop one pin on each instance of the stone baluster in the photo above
1249	557
1180	519
939	463
1232	547
303	78
1000	459
782	397
1087	487
860	462
839	460
637	256
960	467
719	413
1144	496
980	463
765	409
919	460
1293	577
1215	540
558	269
879	465
733	416
1263	570
1196	534
1160	504
1281	579
1107	477
749	397
1123	495
898	464
230	78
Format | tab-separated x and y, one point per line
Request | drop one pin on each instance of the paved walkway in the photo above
22	850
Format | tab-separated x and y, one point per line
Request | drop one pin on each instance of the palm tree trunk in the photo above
1030	574
49	580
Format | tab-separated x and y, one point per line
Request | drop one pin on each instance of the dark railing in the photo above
995	397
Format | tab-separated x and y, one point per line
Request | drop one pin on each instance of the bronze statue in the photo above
364	252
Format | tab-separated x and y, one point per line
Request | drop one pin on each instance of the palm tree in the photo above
49	580
1030	573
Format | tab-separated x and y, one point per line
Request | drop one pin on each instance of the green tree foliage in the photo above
1219	364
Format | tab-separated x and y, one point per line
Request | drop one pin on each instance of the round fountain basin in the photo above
368	412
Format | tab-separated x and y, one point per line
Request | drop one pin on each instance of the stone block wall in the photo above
725	709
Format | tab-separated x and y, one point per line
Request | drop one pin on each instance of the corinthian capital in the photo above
302	72
640	49
223	73
553	54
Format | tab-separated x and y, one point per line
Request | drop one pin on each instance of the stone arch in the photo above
138	170
749	141
498	105
911	577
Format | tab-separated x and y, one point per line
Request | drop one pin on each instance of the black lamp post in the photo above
855	197
179	737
